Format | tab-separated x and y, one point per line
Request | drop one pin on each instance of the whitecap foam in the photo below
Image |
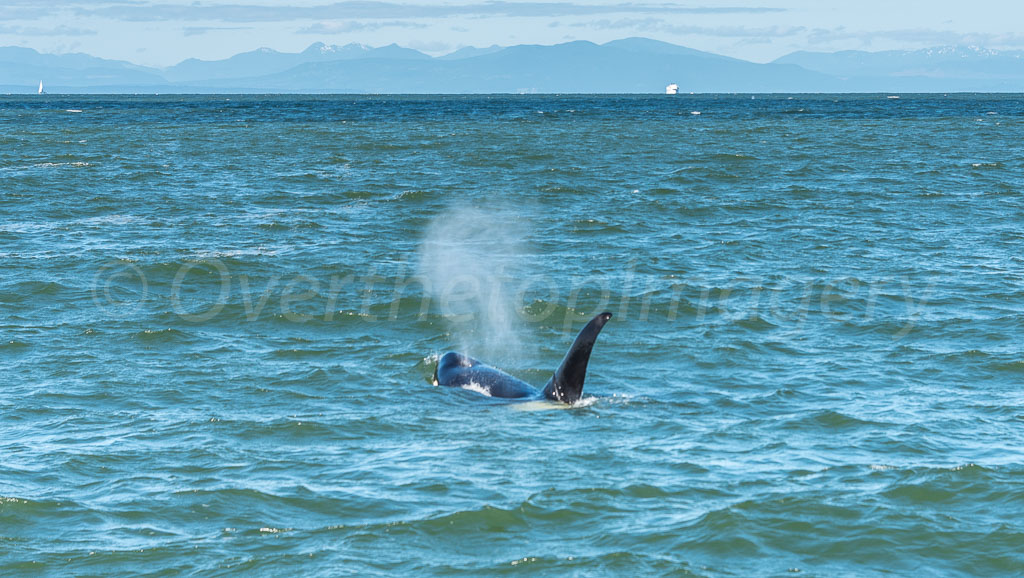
56	165
471	386
540	405
585	402
549	405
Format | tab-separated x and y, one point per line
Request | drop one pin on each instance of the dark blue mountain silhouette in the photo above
632	65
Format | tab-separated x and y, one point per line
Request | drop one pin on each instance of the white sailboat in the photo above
672	89
41	91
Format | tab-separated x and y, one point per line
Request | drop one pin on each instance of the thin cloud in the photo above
918	36
59	4
659	25
57	31
386	10
36	10
355	26
201	30
8	13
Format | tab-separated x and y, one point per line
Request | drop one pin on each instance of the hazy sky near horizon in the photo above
164	32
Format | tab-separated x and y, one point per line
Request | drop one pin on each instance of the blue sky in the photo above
164	32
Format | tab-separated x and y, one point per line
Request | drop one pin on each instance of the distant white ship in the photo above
672	89
41	91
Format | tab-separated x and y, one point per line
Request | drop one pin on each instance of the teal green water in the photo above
219	317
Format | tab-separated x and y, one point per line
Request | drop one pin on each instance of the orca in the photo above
566	384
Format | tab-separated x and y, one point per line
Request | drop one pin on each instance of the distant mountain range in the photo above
632	65
947	69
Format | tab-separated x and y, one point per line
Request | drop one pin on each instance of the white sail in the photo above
40	87
672	89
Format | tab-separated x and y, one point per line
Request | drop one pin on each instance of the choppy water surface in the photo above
219	318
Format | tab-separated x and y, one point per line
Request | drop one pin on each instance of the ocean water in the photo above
219	318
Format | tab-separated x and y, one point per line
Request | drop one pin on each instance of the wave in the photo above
832	420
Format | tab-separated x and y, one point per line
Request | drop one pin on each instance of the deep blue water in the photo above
219	317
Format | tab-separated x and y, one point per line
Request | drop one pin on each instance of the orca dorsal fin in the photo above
566	385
